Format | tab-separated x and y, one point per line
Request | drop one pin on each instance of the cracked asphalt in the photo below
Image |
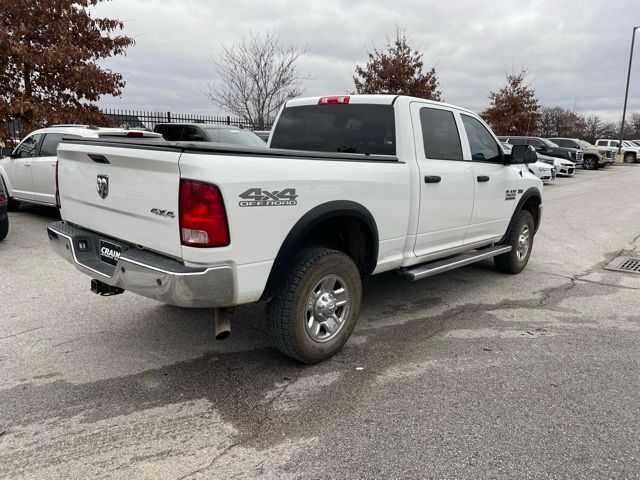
470	374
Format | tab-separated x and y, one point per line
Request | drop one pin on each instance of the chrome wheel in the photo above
522	248
327	308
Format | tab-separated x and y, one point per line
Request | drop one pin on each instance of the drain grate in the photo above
625	264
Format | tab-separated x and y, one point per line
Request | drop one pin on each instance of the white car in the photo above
29	171
630	151
542	168
350	186
564	168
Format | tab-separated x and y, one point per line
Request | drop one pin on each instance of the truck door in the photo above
446	180
496	184
22	181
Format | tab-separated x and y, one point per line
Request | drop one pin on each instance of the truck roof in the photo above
376	99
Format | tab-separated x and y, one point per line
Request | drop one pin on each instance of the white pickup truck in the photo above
350	186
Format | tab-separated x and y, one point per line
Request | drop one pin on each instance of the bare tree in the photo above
256	77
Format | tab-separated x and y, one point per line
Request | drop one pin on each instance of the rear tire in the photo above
629	158
316	305
520	238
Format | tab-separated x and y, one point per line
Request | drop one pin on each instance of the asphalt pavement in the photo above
470	374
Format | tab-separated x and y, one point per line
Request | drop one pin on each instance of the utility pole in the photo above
626	92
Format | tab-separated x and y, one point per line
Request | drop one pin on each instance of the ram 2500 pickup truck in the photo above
350	186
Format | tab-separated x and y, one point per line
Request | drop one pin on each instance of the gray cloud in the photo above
576	51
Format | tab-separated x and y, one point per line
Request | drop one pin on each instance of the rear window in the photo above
244	138
351	128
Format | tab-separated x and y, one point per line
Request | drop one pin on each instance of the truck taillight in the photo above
57	187
203	219
135	134
344	99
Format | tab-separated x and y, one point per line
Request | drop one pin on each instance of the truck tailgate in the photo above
124	192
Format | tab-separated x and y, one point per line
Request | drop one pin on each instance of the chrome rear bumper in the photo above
145	273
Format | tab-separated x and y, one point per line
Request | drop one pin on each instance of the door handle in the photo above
483	178
27	164
432	179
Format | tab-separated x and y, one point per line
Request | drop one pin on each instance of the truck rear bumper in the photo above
145	273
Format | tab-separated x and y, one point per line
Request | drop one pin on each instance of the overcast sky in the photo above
576	51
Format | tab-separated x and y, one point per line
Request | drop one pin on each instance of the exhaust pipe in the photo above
101	288
222	323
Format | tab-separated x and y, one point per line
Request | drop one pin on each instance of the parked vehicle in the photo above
205	132
29	171
4	218
630	152
547	147
545	171
351	186
593	157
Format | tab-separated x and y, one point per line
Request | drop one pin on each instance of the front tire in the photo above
4	227
629	158
520	238
13	205
590	163
316	305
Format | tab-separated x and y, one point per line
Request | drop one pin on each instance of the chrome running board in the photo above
438	266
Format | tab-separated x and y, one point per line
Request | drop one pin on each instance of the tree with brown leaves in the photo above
397	70
48	62
514	109
257	76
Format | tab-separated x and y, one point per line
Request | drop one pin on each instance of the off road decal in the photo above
257	197
510	194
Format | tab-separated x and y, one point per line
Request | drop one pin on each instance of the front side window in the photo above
29	147
483	146
602	143
192	134
563	143
349	128
440	134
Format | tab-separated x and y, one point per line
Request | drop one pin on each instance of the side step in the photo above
438	266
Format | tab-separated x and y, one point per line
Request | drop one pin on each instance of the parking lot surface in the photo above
470	374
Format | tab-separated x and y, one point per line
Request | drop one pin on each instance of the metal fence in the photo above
148	120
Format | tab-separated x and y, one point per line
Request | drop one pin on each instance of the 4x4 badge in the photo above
103	186
257	197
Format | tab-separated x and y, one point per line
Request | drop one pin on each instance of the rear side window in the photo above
602	143
348	128
440	134
50	144
483	146
171	133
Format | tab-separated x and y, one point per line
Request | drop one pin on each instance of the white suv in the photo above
630	152
28	172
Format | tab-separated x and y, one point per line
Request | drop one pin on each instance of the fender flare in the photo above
320	213
530	193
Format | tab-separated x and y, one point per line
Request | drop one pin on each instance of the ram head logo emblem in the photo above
103	186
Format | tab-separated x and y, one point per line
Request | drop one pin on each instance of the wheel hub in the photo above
522	248
327	308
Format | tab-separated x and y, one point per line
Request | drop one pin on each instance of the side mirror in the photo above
6	152
523	154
